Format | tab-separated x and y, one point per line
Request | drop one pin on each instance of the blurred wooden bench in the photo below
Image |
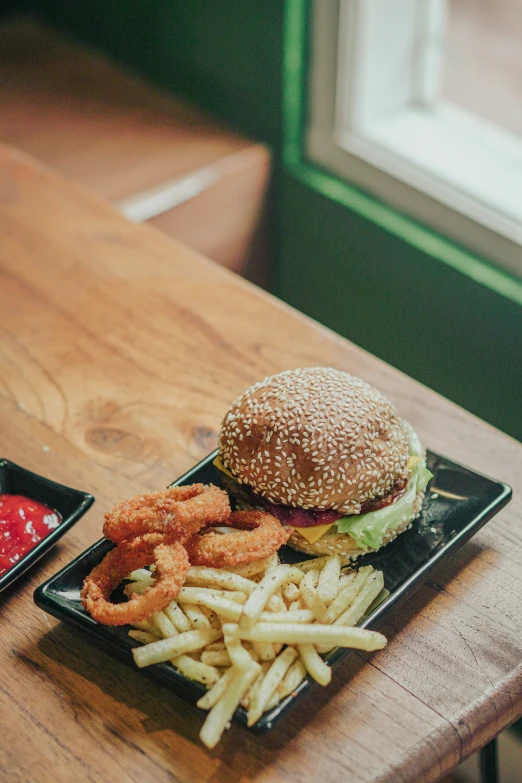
153	156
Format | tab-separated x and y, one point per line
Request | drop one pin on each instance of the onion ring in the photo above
172	564
177	512
263	536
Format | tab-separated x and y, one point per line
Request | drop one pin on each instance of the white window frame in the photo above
375	119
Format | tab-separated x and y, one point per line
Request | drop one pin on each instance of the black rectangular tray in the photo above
457	503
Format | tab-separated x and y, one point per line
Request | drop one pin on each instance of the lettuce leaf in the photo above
368	530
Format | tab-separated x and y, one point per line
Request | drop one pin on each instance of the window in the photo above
396	109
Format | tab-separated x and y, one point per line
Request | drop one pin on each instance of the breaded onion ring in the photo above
172	564
177	512
263	536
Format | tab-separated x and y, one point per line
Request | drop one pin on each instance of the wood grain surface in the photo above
119	137
120	350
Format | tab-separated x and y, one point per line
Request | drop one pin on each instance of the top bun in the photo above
314	438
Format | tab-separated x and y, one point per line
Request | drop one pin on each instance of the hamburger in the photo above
328	455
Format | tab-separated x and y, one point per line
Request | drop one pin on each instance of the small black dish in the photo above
457	504
70	503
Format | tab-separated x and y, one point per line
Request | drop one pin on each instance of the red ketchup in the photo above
23	524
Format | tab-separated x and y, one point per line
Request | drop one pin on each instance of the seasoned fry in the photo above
258	599
217	658
214	694
296	616
290	592
215	646
292	679
201	576
297	606
140	573
165	649
348	594
239	656
346	579
314	664
197	618
145	625
276	604
196	670
264	650
248	570
253	654
212	617
273	562
143	636
328	586
197	595
230	610
163	625
382	596
176	616
366	596
224	708
358	638
309	595
270	682
256	684
312	564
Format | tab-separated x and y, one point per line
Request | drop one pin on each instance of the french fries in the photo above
292	679
252	633
314	664
198	618
196	670
215	693
163	625
338	635
265	651
143	636
165	649
328	586
239	656
269	683
309	594
198	595
178	619
365	597
226	705
259	597
216	577
217	658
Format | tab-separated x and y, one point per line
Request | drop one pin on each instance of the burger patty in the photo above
308	517
396	492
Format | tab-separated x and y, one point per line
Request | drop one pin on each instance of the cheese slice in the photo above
313	534
219	465
413	461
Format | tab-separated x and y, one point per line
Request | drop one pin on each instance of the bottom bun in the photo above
343	544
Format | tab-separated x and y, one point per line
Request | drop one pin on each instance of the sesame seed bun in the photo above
343	544
315	438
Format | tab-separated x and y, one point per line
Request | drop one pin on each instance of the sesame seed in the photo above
337	426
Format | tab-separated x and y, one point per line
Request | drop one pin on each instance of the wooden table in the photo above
119	353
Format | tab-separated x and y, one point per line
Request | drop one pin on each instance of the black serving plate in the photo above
70	503
457	504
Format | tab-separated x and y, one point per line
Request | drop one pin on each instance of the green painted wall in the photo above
418	314
434	323
224	55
